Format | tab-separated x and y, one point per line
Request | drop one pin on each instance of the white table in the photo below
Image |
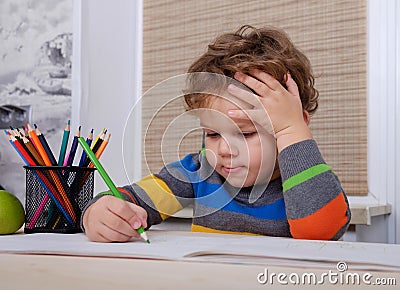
72	262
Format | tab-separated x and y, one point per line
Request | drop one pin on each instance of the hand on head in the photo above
272	105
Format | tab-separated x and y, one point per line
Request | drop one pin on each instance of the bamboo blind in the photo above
331	33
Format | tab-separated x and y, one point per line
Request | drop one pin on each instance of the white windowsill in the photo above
363	208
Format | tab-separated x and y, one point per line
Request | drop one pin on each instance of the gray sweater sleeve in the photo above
316	205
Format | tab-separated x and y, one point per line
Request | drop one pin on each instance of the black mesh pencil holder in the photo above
55	198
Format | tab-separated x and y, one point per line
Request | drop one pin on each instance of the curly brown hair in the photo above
268	49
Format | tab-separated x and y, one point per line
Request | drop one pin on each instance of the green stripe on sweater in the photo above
305	175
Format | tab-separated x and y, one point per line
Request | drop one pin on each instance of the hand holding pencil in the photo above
129	217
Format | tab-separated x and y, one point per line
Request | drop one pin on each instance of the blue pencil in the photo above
89	140
74	146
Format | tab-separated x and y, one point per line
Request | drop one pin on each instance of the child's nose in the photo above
226	148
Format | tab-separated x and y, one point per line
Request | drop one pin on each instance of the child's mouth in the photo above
231	169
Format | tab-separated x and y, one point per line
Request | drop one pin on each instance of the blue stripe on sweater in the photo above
215	196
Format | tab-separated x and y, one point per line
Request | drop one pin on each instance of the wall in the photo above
107	79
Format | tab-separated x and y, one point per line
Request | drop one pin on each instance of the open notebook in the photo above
219	248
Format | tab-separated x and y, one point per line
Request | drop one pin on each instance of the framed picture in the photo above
35	74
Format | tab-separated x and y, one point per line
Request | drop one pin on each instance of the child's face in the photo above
238	150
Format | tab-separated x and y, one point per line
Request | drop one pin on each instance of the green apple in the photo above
12	214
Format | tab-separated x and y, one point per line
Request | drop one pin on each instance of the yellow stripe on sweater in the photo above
197	228
161	195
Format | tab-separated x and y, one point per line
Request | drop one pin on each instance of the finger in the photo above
291	85
118	224
260	87
122	209
140	216
244	95
259	117
112	235
102	234
240	114
267	79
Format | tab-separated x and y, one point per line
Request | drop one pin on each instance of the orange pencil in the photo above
103	146
29	146
38	145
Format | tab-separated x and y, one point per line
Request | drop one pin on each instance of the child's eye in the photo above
248	134
212	134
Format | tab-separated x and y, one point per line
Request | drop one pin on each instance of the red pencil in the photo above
21	149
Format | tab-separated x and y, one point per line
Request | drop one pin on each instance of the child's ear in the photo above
306	117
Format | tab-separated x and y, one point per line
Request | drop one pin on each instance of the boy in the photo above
234	182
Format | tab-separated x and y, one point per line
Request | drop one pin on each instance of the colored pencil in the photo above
64	144
96	145
52	192
19	137
99	141
97	137
103	146
31	149
46	146
31	161
59	182
98	155
53	176
8	134
89	140
107	179
74	146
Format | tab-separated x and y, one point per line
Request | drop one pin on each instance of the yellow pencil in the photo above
100	151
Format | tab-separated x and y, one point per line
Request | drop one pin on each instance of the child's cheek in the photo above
268	159
211	157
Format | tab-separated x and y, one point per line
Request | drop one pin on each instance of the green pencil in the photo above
107	179
64	144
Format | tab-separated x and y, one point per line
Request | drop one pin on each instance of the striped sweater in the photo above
307	202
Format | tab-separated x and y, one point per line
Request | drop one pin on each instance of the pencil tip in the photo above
91	131
79	128
147	241
69	122
34	125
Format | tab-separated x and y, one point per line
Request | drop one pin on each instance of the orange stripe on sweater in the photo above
128	194
322	224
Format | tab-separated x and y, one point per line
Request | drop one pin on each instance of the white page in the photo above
170	245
